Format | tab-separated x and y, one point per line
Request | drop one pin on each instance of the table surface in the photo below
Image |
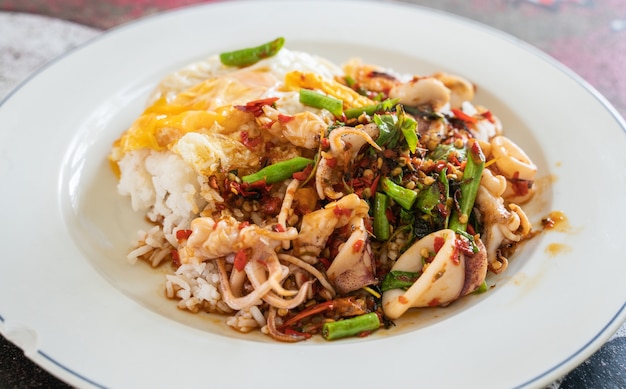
587	36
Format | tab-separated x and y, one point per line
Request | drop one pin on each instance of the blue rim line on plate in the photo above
68	370
590	347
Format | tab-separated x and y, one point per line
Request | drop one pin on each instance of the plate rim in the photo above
591	346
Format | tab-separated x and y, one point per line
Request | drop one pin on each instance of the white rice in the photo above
197	288
171	189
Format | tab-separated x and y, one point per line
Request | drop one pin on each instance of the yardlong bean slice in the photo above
252	55
315	99
351	327
469	187
381	223
279	171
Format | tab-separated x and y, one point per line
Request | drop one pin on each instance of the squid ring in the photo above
511	160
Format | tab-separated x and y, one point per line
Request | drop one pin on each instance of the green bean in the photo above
314	99
279	171
383	106
469	188
381	223
351	327
401	195
252	55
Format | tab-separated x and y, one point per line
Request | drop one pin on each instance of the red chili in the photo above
256	107
244	224
358	245
452	158
249	142
269	124
175	258
438	244
183	234
338	211
456	256
476	150
440	165
463	116
434	302
520	187
315	309
282	118
332	162
300	176
303	175
489	116
464	245
241	259
375	184
291	331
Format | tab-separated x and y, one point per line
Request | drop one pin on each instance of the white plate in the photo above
80	311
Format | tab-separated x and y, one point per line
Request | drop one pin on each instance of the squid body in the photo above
450	274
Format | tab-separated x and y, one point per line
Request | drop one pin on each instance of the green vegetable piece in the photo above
389	135
252	55
279	171
443	151
482	288
383	106
407	217
428	199
445	195
470	238
315	99
381	223
401	195
392	126
434	202
351	327
408	127
397	279
469	188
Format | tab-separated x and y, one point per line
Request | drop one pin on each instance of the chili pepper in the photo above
256	107
252	55
241	259
183	234
463	116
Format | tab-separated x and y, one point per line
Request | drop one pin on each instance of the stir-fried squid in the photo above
301	198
